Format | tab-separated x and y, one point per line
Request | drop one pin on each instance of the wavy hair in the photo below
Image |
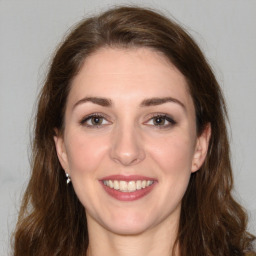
52	220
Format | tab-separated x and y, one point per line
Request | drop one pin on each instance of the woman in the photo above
131	154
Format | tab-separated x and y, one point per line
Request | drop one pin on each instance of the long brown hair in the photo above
52	221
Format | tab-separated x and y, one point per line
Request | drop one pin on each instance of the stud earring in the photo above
68	178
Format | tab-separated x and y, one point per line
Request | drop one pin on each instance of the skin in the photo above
128	142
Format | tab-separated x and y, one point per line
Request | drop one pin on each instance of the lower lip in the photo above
128	196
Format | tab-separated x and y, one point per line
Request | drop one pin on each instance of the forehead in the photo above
129	74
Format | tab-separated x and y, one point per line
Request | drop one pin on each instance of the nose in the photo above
127	146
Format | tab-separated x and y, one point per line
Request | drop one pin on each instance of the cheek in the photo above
173	154
172	158
85	153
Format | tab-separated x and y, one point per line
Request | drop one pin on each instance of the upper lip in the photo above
127	177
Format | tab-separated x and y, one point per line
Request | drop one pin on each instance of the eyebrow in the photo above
105	102
159	101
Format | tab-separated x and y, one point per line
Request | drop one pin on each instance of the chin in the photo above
128	229
128	224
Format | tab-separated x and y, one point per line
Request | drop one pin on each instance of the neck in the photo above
156	241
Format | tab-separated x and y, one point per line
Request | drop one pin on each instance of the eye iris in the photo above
96	120
159	121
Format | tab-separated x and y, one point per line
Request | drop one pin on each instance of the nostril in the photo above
126	159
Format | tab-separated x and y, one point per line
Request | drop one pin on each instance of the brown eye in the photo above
159	120
96	120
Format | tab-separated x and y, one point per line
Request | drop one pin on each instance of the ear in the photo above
201	148
61	151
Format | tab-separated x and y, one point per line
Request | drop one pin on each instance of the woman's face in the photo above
130	143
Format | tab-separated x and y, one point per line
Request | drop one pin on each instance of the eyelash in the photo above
94	115
166	117
170	120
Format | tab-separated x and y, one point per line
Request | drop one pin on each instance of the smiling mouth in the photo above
128	186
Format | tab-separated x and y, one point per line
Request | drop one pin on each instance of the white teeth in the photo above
129	186
111	184
123	185
149	182
138	184
116	185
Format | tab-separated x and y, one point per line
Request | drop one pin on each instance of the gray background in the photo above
29	32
